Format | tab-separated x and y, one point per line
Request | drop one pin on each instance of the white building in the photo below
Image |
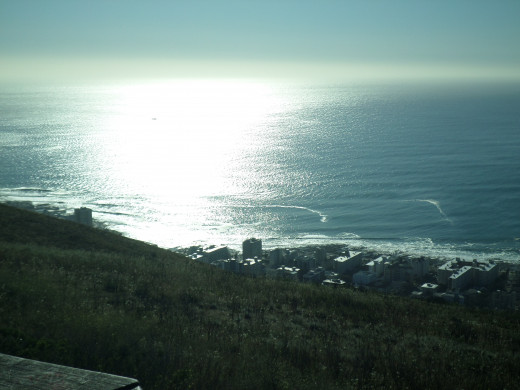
377	266
459	274
461	278
485	272
347	263
429	288
444	272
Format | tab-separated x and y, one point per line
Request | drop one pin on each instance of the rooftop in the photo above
20	373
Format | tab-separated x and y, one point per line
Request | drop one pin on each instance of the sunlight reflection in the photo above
182	137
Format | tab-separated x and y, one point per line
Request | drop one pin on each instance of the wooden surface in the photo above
18	373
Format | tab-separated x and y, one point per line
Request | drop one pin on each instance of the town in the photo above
477	283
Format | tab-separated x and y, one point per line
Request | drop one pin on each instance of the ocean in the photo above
424	169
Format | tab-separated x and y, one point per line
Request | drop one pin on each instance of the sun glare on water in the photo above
182	137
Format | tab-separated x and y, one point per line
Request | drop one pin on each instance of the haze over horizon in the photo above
331	40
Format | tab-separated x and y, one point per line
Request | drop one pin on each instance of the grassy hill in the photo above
78	296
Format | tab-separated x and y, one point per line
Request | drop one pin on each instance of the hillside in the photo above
92	299
25	227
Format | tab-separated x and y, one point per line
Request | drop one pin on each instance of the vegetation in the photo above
73	295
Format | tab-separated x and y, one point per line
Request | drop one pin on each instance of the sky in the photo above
284	39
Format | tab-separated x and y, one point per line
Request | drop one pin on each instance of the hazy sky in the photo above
371	38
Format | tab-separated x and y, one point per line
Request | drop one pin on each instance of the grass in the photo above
87	298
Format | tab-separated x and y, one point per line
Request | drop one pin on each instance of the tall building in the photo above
83	215
276	258
347	263
252	248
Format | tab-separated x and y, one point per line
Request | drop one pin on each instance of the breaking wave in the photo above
437	206
323	217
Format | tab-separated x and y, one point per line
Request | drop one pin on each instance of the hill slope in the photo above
78	296
22	226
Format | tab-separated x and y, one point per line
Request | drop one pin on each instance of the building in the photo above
397	271
485	272
305	262
83	215
331	275
252	248
230	265
394	269
290	273
444	272
252	267
276	257
216	253
347	263
459	274
321	256
461	278
377	266
429	288
420	267
333	282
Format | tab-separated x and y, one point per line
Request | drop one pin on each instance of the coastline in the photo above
412	246
481	282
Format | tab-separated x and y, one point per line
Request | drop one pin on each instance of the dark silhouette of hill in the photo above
22	226
92	299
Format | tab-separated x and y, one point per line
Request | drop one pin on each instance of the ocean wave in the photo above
112	213
323	217
413	246
26	189
437	205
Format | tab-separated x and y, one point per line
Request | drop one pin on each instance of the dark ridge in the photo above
24	227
